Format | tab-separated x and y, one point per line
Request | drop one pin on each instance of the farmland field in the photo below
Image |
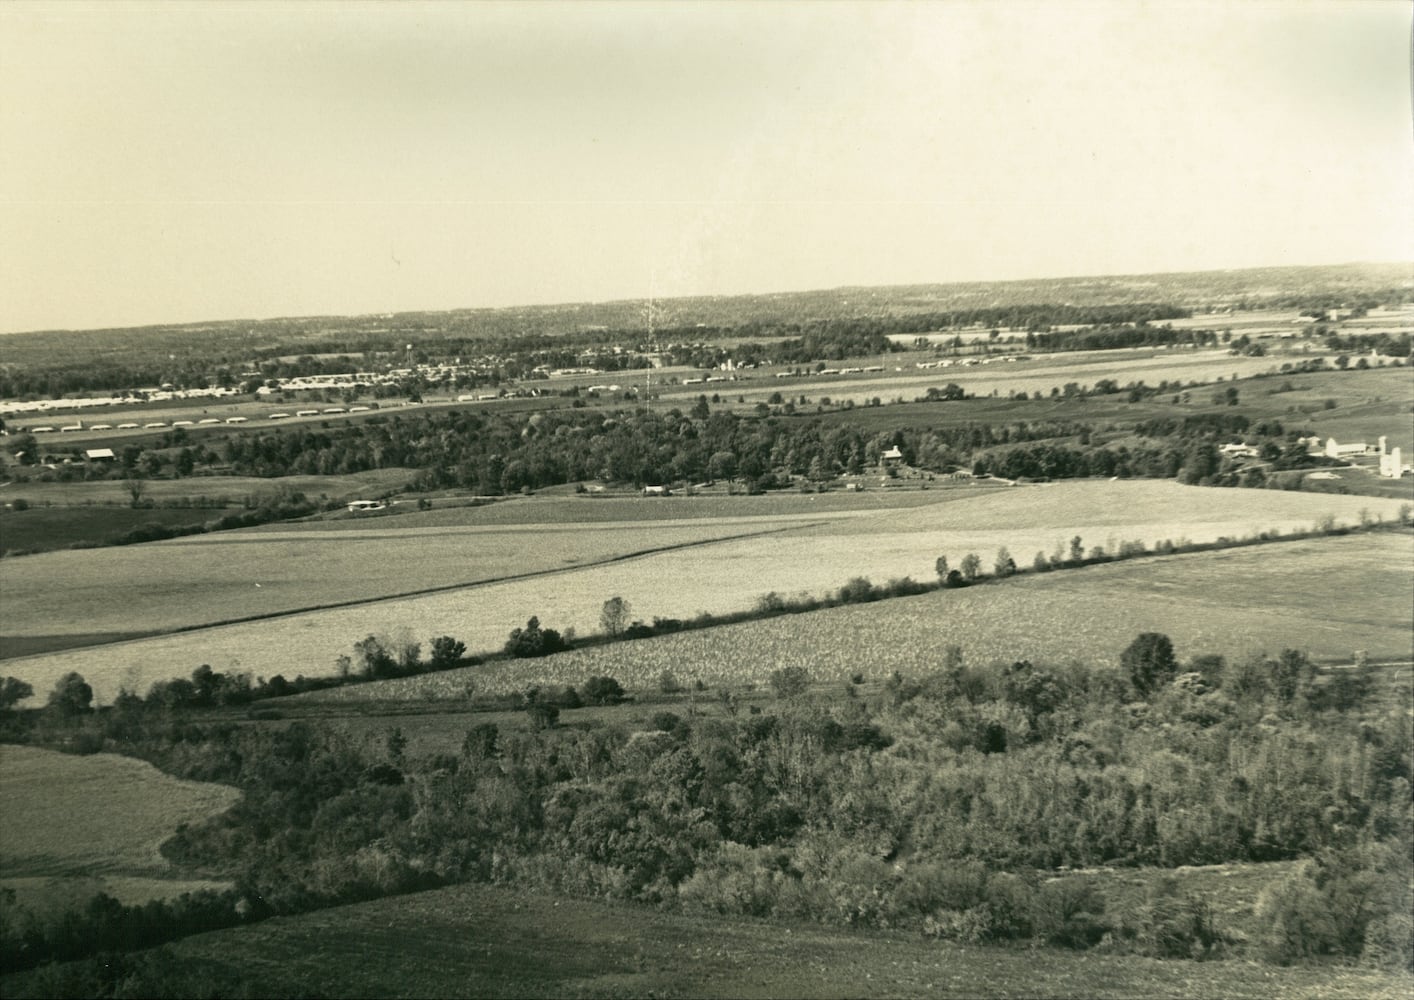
1037	375
44	528
724	576
480	941
74	826
219	577
231	488
1368	404
62	514
1327	596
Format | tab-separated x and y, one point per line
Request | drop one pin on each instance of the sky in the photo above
180	162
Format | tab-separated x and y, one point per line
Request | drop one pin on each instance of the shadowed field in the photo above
477	941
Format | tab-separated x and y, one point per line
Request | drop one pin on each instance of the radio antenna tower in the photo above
650	313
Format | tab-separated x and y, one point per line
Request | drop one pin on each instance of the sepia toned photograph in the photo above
655	499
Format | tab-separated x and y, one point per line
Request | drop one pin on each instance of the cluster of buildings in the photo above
11	407
1392	464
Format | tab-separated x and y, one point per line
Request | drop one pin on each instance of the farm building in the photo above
99	455
356	506
892	457
1392	464
656	491
1335	449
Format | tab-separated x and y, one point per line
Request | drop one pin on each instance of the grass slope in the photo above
41	529
489	942
72	826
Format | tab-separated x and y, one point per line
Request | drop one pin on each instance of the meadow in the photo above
1037	375
59	515
1369	404
724	576
203	579
221	489
71	827
41	529
482	941
1325	596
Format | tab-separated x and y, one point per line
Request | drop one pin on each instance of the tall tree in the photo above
72	695
613	616
1149	662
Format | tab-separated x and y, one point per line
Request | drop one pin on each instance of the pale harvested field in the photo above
1327	597
73	826
719	577
237	574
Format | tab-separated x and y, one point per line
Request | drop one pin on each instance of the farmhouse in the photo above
355	506
103	455
892	458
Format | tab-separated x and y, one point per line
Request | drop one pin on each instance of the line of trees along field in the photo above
937	803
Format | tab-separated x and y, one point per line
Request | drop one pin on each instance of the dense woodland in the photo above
493	453
934	803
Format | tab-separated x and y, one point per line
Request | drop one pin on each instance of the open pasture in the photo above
41	529
726	575
1368	404
231	489
485	941
62	514
1326	596
548	508
71	826
203	579
1005	378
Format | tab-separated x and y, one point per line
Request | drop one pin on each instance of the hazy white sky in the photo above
173	162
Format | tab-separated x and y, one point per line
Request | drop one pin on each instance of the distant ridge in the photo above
1254	285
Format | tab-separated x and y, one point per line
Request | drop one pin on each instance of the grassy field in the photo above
1326	596
554	507
231	489
74	826
1036	375
41	529
61	514
1368	404
478	941
229	575
187	579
